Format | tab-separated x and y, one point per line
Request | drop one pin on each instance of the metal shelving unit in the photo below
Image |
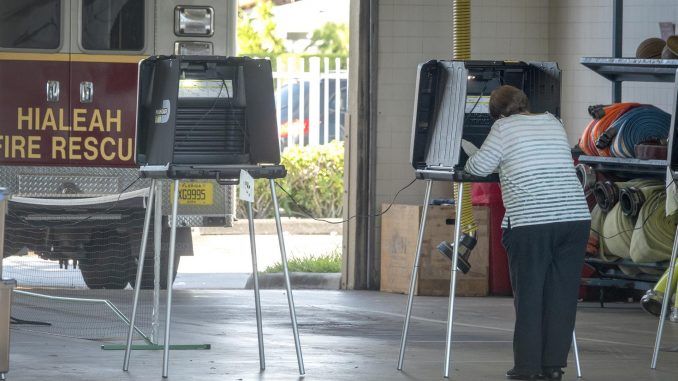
632	69
623	167
619	70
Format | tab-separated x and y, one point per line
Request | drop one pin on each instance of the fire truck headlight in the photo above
193	21
193	48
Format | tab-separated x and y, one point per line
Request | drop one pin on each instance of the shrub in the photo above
315	178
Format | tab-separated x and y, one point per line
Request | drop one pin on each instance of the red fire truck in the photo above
68	96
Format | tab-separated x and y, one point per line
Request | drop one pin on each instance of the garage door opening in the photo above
307	42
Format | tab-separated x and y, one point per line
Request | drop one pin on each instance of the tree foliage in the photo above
256	31
330	39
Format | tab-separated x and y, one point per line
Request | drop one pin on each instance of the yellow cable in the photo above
461	50
468	222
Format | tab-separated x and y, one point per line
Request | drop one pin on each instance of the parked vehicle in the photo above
68	100
300	125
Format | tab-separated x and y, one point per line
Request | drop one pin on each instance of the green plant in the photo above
327	263
315	178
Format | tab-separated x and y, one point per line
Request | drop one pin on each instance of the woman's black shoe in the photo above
553	373
515	375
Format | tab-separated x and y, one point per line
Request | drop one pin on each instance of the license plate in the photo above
194	193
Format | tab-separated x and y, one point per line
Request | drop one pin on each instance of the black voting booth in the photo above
452	103
207	117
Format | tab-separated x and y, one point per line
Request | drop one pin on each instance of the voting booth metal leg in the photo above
170	276
413	277
575	349
140	269
288	286
665	302
255	276
453	281
157	248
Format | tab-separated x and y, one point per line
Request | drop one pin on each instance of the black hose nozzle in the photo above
607	195
605	139
631	199
467	244
597	111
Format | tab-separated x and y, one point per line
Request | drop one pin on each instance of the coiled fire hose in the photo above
595	245
652	240
638	125
617	232
618	227
597	127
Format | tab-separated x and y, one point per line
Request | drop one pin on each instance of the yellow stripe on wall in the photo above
65	57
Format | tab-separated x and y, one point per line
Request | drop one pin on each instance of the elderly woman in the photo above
545	229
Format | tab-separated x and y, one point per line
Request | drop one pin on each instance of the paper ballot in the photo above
468	147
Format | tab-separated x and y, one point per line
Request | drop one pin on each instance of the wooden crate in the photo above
399	232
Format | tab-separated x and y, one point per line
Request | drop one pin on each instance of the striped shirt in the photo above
538	180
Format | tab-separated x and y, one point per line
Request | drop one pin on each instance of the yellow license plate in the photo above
194	193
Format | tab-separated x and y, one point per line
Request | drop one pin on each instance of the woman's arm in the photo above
488	157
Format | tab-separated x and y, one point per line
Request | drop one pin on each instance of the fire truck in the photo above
68	102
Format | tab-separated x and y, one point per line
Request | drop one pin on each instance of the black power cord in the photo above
307	213
310	215
482	93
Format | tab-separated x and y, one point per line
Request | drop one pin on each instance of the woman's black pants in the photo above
545	262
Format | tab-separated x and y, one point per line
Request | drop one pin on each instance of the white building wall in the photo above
409	33
510	30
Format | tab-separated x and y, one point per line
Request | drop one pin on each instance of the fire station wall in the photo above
580	28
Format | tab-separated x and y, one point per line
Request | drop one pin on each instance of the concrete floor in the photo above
346	336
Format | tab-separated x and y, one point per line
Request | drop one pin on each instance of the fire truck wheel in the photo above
184	246
147	278
108	261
